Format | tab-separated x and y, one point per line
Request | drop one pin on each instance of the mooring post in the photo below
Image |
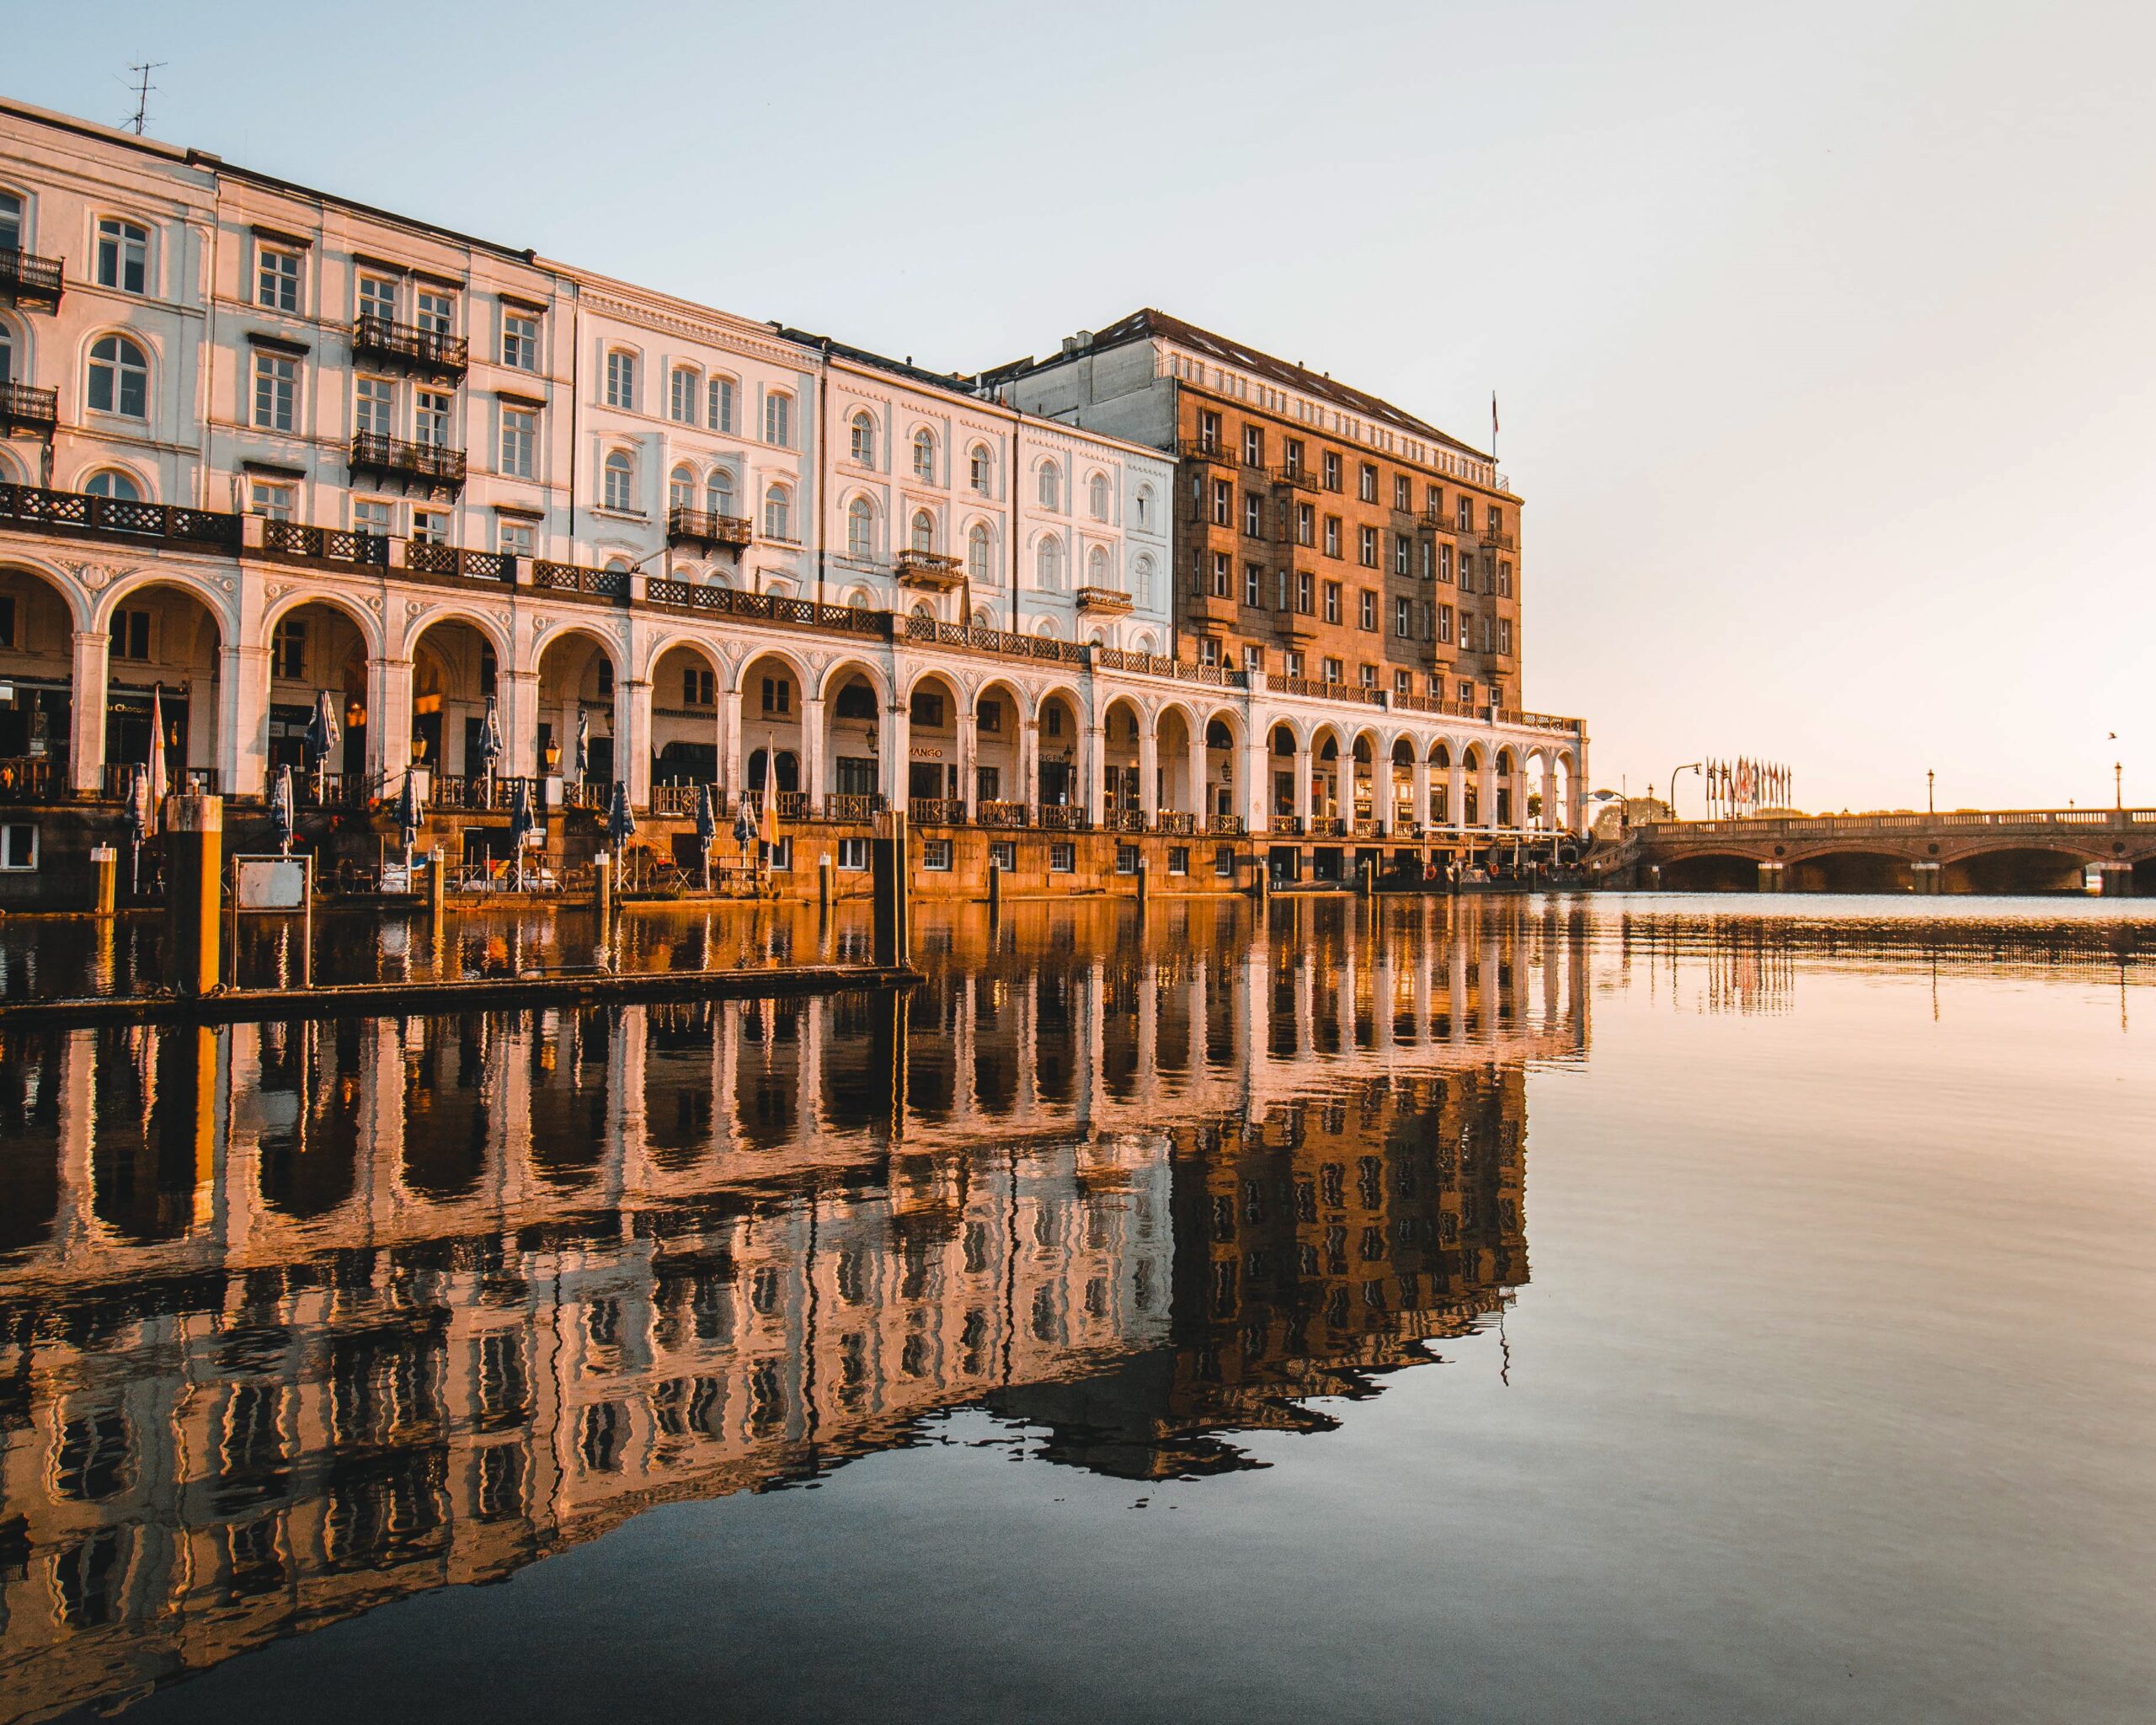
995	893
602	895
1145	890
105	880
827	882
194	843
887	868
437	887
1261	877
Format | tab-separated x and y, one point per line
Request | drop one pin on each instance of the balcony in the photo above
425	559
1294	479
432	465
1191	449
928	569
433	352
1212	608
1107	601
936	811
1296	626
22	409
1000	814
710	532
26	279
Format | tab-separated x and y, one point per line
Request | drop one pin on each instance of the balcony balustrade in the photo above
929	570
24	408
702	528
435	352
28	280
434	465
1000	814
1065	818
936	811
1193	449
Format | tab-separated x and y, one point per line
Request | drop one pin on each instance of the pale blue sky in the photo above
1822	332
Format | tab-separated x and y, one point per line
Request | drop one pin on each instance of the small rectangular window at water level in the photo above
17	848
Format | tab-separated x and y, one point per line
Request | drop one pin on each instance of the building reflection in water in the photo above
298	1318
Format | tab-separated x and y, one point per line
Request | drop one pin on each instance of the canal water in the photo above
1586	1309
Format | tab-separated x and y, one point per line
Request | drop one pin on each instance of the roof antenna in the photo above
142	93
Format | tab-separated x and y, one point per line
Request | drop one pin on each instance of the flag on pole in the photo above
767	815
1493	424
160	784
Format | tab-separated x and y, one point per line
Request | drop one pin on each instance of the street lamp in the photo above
1689	766
1929	806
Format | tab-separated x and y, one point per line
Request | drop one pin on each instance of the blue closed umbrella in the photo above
407	814
521	823
323	732
583	745
281	810
707	829
620	823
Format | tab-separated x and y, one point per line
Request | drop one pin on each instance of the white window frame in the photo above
275	400
8	830
288	276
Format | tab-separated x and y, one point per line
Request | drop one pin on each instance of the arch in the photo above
38	722
15	354
834	676
1097	494
121	484
861	437
2016	870
1096	567
681	487
718	490
860	529
924	454
1440	754
311	655
1853	870
778	511
216	603
656	648
1145	508
784	656
364	620
981	556
117	376
860	598
1050	564
1147	643
617	485
1711	871
1141	582
1283	737
185	637
920	533
980	469
687	676
1048	483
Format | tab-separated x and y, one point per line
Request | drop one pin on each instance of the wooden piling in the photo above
194	842
105	880
888	875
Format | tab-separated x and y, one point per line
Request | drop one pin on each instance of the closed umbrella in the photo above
583	745
707	829
323	733
620	823
521	825
745	828
138	824
408	823
159	785
490	741
767	812
281	810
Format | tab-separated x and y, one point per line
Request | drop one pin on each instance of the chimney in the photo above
1074	344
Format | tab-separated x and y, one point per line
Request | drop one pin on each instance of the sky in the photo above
1822	335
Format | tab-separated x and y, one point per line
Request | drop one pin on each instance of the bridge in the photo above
1968	850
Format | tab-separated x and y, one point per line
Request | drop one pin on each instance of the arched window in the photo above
977	569
719	492
681	488
1047	631
1096	568
1142	580
922	608
778	513
119	378
980	620
118	487
979	468
1096	496
857	600
1142	506
11	223
619	487
923	537
924	455
1048	565
862	439
1051	486
860	529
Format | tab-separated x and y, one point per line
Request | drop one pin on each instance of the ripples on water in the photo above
299	1320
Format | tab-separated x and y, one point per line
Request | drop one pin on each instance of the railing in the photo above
1960	820
1176	821
1435	520
668	799
1323	691
574	578
1226	825
326	790
596	793
936	811
1000	813
432	350
1059	818
706	528
27	778
1285	826
292	539
24	275
793	805
853	805
1328	827
1296	479
1123	820
1103	599
1155	664
23	405
447	560
1195	449
33	506
494	791
728	601
435	463
928	567
927	628
1366	826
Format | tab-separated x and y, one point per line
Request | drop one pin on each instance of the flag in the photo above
1493	422
159	785
767	815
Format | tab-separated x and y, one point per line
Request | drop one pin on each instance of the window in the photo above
519	339
1403	683
1403	617
11	223
130	635
1433	501
1224	502
619	489
622	379
1051	486
1367	610
1294	454
1049	565
860	529
979	468
119	378
1504	634
1444	624
1209	432
1504	581
1368	482
1403	557
860	439
977	569
430	411
684	385
276	390
681	488
696	686
1223	582
1096	496
1368	676
1126	859
924	455
1254	585
1430	559
1332	535
936	854
277	278
1142	507
1367	549
1209	650
374	406
1332	601
1403	492
778	420
437	311
1445	562
7	355
1305	524
1179	859
1253	446
1224	862
519	442
512	538
288	649
778	513
119	487
1096	568
719	405
273	499
719	492
1062	857
778	696
1253	515
1003	853
430	526
853	854
1332	470
1305	592
18	847
922	534
123	256
378	298
1333	671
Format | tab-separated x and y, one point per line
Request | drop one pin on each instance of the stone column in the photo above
516	708
815	742
898	752
389	722
1200	761
1149	772
969	757
1302	784
1092	768
1257	780
731	782
85	713
633	738
244	724
1027	790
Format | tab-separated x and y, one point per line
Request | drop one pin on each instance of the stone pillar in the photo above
2117	879
1092	768
1418	789
1774	877
516	709
1027	790
1149	772
815	742
968	758
1923	877
389	722
86	714
1200	799
1302	784
633	738
243	724
1257	780
898	752
731	782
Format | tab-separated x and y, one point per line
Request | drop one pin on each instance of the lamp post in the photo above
1929	806
1689	766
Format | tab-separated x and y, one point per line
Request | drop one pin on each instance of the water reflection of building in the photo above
298	1318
